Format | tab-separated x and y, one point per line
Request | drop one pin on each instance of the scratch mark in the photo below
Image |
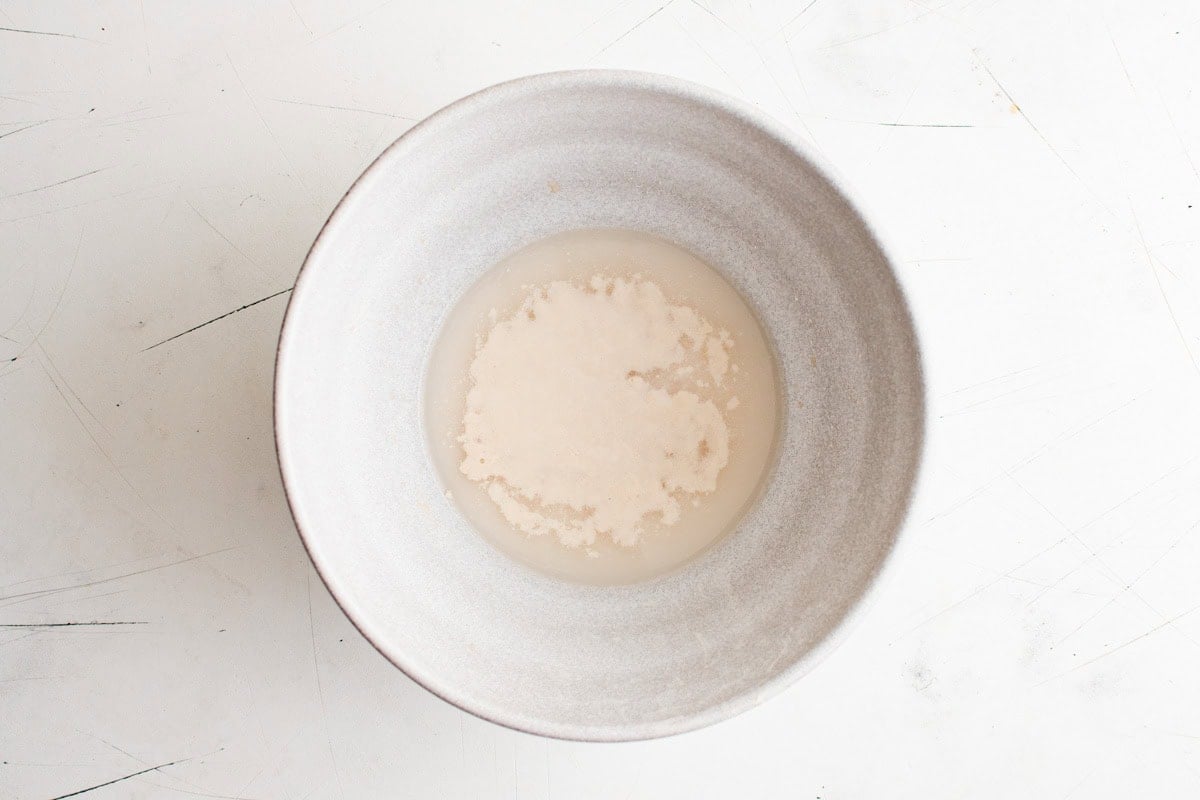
1007	575
66	285
343	108
88	598
644	20
278	146
960	503
1151	484
27	127
799	119
53	311
217	319
273	762
880	32
146	37
786	99
1121	60
20	100
6	373
953	606
177	779
197	794
956	412
118	780
908	124
712	14
350	22
1128	587
1067	436
989	380
787	45
312	631
1113	598
123	576
607	13
1093	555
1162	292
73	206
143	106
20	320
637	778
1038	131
217	231
704	50
1040	400
103	450
887	137
295	10
63	624
1082	781
1166	622
136	120
1182	143
1087	621
798	15
1071	533
69	574
936	10
52	185
1171	119
63	380
45	33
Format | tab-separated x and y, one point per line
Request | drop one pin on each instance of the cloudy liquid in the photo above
742	386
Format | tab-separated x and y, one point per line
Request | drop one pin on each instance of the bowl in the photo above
476	181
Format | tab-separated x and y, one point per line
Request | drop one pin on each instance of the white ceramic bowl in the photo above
446	202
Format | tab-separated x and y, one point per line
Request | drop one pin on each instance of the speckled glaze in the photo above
483	177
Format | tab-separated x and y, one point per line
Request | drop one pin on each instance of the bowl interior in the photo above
482	178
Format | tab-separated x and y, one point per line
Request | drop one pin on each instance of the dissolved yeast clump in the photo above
596	409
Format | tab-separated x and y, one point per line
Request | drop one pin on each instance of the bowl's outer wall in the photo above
452	197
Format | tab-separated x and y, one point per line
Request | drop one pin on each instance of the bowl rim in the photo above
884	570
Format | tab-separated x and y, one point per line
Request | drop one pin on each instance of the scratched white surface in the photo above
163	165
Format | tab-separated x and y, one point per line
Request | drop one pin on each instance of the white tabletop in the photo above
164	167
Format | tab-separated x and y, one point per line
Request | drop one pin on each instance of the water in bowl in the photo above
602	406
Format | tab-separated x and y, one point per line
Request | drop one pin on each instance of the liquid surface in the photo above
602	406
